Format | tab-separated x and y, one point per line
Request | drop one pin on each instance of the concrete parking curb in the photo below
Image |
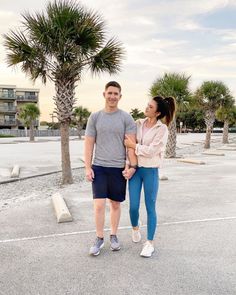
191	161
163	177
15	171
213	153
61	210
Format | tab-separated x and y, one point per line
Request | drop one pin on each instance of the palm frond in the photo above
108	59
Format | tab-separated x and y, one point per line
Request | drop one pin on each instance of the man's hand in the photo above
128	173
89	174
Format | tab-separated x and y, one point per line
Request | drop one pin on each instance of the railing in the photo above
21	133
7	95
8	123
26	97
21	124
8	109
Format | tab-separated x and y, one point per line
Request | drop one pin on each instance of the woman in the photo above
152	134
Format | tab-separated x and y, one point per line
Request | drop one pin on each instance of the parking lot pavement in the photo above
195	243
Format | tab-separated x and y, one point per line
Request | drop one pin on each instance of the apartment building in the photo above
11	100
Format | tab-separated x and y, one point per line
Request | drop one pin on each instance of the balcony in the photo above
5	95
7	109
27	97
21	124
7	122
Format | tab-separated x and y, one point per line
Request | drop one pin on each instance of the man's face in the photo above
112	96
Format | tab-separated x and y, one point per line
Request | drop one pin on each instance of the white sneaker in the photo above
147	250
136	235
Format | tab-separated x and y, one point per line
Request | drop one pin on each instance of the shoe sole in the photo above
145	256
115	249
96	254
136	241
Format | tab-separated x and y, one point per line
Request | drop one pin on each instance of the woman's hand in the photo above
128	173
129	143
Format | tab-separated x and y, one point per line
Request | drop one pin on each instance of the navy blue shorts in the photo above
108	183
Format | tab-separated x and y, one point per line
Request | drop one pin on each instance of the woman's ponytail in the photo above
166	107
171	109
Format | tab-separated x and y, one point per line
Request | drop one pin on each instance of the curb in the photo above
35	175
61	210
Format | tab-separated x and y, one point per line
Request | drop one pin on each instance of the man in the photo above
105	131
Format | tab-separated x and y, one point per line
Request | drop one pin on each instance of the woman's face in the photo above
151	109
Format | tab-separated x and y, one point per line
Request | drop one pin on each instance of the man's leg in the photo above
99	215
114	216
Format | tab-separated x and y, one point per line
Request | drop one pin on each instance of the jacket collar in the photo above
142	121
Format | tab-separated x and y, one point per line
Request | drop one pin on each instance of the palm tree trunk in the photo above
171	142
64	102
31	131
79	129
209	121
207	144
226	132
65	154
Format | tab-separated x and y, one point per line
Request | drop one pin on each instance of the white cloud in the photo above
158	37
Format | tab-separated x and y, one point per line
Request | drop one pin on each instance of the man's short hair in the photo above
114	84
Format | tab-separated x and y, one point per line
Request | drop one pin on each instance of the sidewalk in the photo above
195	244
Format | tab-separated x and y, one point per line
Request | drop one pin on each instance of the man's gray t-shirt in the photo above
109	130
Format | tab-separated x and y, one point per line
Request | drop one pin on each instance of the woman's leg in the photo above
135	185
151	184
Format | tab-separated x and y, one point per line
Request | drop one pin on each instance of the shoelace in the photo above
114	238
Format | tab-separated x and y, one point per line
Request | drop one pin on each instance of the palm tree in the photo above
80	118
137	114
59	45
210	96
176	85
28	113
226	114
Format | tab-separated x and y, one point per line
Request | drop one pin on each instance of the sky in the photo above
197	38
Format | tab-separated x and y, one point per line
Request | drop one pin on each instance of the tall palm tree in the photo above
59	45
137	114
80	118
176	85
210	96
226	114
28	113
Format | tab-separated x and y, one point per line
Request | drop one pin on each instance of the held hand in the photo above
129	143
128	173
89	174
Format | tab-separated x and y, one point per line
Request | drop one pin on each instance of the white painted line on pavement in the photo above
198	220
108	229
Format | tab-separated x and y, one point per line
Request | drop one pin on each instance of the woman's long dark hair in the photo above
167	107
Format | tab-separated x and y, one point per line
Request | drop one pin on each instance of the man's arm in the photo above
88	155
131	161
131	152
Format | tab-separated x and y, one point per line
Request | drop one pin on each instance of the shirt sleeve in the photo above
157	145
130	126
91	128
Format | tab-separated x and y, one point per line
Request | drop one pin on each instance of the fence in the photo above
39	133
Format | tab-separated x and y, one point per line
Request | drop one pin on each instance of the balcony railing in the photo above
26	97
6	95
21	124
8	109
7	122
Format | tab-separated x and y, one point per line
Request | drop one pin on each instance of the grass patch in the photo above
6	135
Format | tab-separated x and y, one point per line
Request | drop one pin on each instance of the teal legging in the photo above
148	177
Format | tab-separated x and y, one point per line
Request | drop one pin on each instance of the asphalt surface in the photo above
195	241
